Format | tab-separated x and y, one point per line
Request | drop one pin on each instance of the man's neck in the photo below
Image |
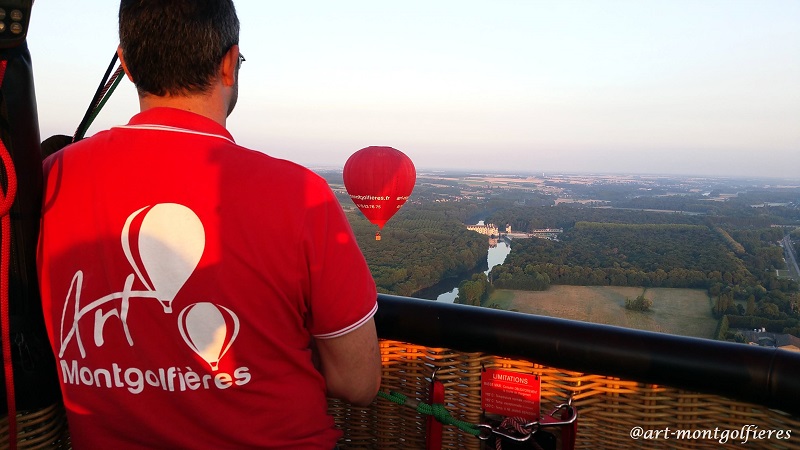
203	104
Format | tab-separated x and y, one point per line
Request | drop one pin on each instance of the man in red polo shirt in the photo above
198	294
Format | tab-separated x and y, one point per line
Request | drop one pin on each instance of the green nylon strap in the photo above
96	111
437	410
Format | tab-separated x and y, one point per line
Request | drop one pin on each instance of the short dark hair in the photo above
175	46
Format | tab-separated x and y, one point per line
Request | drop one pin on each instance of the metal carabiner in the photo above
486	431
557	422
534	426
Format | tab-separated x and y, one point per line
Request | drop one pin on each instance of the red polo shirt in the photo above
183	277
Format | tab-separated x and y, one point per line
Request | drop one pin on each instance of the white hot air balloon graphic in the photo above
209	330
163	247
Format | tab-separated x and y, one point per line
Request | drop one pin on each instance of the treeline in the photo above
766	296
670	203
782	326
607	254
736	265
729	215
534	276
566	215
475	291
419	246
528	278
761	253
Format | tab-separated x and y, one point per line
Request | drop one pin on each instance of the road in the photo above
788	250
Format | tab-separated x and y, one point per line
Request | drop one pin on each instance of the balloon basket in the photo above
377	235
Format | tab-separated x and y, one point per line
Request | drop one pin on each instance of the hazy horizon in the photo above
689	88
795	181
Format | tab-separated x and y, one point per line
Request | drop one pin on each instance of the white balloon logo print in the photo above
209	330
169	244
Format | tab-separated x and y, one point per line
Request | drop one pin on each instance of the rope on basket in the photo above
517	425
437	410
512	428
6	201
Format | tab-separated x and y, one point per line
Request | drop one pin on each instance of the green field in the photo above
685	312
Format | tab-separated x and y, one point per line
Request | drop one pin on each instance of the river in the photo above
447	290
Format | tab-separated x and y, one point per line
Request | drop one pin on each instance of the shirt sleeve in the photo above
342	292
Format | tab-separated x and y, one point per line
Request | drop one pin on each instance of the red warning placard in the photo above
510	394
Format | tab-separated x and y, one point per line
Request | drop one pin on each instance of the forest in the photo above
724	245
612	254
420	246
736	263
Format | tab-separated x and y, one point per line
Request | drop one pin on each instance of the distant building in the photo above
769	204
547	230
767	339
489	229
787	342
547	233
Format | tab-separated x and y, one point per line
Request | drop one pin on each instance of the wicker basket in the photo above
43	428
609	408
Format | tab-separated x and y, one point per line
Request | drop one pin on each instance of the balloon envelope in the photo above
379	180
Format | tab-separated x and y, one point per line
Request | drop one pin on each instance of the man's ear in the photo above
229	66
122	62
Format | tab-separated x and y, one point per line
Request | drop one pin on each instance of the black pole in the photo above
765	376
35	377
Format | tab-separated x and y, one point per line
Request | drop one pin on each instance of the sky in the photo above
688	87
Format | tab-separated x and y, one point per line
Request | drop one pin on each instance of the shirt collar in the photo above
179	118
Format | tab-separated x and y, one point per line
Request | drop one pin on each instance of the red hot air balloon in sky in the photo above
379	180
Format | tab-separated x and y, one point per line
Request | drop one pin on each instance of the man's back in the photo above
183	278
